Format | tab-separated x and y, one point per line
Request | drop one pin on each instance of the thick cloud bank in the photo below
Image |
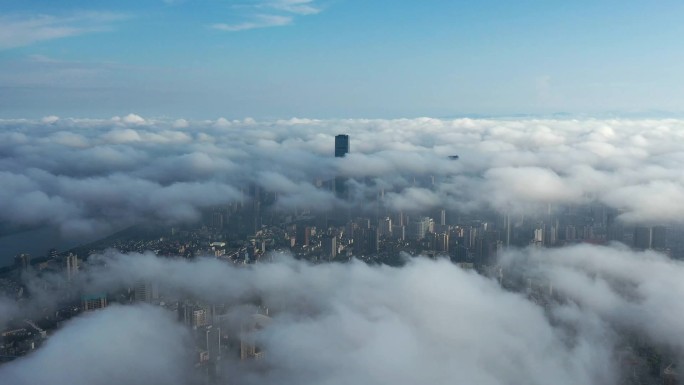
581	314
85	175
637	292
138	345
578	314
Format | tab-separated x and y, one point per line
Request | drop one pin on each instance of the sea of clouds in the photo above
426	322
88	176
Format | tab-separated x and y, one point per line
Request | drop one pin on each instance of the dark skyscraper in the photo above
22	261
341	145
341	149
643	237
659	238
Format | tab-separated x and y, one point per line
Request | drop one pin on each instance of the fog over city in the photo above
337	192
429	320
89	175
340	323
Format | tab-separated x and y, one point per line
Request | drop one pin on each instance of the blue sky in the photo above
339	58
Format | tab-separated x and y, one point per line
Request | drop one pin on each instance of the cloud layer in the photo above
428	321
88	175
119	345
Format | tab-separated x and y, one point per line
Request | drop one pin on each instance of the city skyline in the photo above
300	192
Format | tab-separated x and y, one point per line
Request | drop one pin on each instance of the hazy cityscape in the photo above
306	192
48	290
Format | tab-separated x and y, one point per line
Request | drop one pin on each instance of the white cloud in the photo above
181	123
146	341
133	119
300	7
456	326
20	30
222	123
88	175
257	21
50	119
510	165
265	14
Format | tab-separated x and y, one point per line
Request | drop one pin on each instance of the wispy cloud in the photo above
22	30
265	14
299	7
259	21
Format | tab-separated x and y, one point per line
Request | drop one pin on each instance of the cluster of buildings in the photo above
244	233
213	328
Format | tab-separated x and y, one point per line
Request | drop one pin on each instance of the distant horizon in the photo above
558	115
276	58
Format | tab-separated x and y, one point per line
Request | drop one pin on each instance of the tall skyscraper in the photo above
659	238
442	242
71	262
373	241
330	247
538	236
22	261
643	237
341	145
303	234
217	220
385	226
340	181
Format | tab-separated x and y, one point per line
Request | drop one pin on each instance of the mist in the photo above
118	345
104	175
573	314
337	323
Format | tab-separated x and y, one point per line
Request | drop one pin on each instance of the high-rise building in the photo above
570	233
460	254
399	232
538	236
507	227
248	347
614	229
330	247
195	315
553	235
217	220
213	342
22	261
442	242
199	318
303	235
643	237
71	262
340	181
146	292
94	301
341	145
659	238
418	229
385	226
373	244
